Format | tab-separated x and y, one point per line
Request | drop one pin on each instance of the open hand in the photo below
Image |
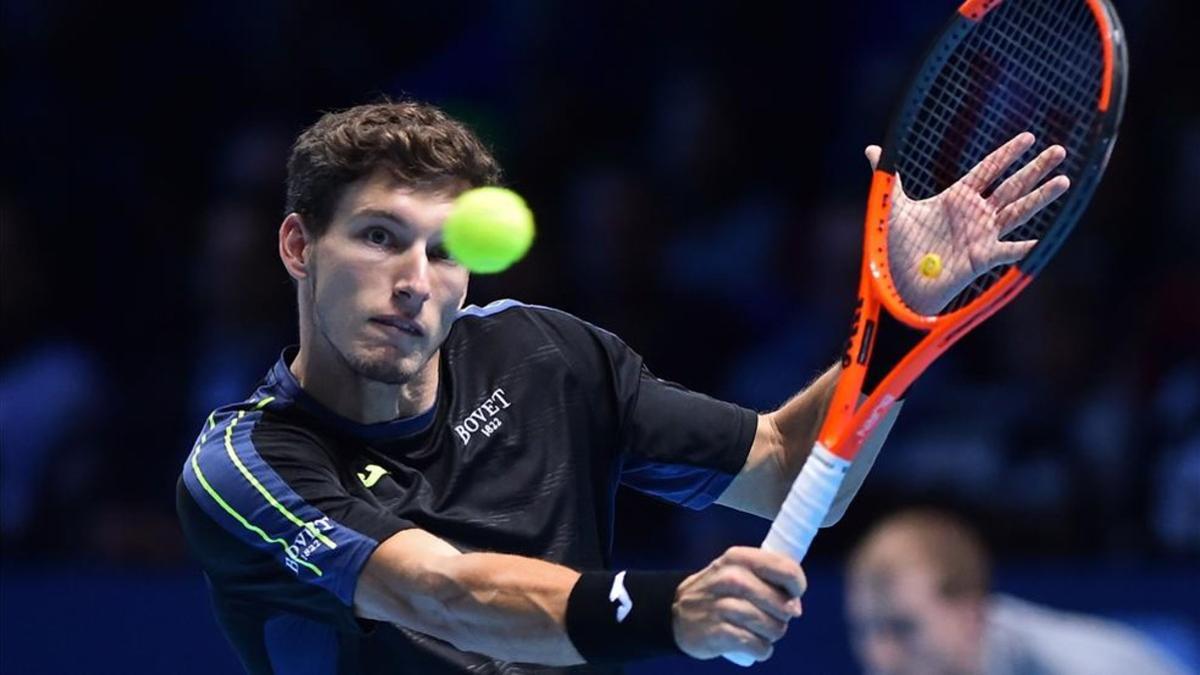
963	228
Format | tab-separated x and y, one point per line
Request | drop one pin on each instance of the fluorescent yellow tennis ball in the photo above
488	229
931	265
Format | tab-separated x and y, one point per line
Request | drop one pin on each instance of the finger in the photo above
742	613
1030	175
872	152
772	567
739	640
1008	252
1019	212
741	583
994	164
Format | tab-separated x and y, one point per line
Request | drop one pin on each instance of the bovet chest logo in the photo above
483	419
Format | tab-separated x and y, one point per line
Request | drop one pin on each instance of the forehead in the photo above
892	572
379	196
895	588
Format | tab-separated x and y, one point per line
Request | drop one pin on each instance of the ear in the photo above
462	301
295	246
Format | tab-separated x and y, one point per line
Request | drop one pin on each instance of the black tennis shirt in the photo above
539	416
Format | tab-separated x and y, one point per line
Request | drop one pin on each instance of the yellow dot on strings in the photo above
931	265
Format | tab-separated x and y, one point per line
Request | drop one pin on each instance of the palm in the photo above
959	227
965	229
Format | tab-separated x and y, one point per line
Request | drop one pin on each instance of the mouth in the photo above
399	324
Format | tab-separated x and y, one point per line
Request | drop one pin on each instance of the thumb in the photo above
872	152
1008	252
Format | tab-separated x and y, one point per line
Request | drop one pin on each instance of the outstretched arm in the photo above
519	609
504	606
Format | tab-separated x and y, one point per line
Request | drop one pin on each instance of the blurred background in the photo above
697	172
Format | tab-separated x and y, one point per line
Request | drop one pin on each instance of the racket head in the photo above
1056	68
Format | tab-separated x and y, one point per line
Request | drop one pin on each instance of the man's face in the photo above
901	625
384	292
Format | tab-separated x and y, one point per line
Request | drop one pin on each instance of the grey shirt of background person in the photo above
1022	638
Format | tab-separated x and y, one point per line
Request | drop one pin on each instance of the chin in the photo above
385	365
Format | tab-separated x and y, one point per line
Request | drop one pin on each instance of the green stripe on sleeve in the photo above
312	530
245	523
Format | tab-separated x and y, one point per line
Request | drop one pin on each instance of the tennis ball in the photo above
488	229
931	265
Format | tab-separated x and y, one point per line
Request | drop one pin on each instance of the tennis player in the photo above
919	603
422	487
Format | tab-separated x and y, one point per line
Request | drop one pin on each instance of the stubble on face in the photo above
381	363
363	347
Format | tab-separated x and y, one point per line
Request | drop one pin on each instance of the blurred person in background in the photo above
47	451
919	603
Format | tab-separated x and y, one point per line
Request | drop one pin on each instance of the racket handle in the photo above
807	504
743	660
803	512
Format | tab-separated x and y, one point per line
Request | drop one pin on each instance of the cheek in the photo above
338	292
942	633
452	284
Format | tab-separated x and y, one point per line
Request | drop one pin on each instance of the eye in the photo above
901	628
378	236
439	253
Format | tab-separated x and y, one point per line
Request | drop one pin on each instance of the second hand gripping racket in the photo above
959	220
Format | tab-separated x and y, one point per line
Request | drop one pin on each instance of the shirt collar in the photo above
281	379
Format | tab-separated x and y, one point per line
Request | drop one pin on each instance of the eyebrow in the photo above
381	213
384	214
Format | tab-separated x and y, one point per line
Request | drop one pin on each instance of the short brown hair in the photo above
944	542
421	146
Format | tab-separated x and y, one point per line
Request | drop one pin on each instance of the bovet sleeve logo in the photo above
483	419
310	539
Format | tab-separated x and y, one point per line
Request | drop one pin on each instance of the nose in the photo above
411	284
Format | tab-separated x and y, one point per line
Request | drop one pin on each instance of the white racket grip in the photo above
802	513
807	504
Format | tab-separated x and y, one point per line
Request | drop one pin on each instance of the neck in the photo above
326	377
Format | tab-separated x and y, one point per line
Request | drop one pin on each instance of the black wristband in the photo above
623	616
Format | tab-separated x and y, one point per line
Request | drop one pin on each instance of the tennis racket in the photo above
963	211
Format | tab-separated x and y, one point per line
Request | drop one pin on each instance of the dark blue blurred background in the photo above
697	172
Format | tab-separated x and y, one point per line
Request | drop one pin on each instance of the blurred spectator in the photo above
52	399
919	603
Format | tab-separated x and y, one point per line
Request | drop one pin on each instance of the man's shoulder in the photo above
510	311
254	430
241	461
265	416
519	319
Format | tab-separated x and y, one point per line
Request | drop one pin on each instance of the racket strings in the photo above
1030	65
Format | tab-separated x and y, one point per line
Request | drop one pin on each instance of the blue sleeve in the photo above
264	512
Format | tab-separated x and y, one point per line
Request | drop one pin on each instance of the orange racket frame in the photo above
848	424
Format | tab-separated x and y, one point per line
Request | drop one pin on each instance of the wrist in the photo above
623	616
